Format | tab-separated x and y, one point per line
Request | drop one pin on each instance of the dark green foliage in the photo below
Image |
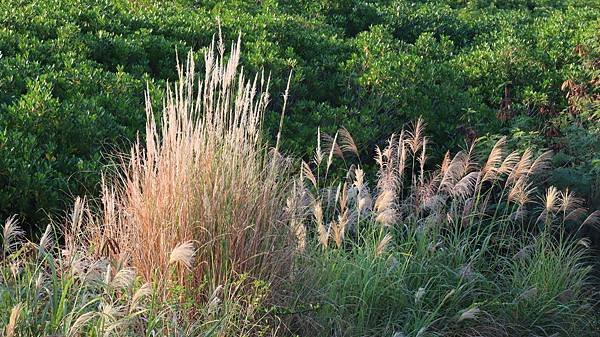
72	76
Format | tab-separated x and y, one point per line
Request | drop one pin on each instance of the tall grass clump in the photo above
471	248
47	291
50	289
200	201
191	221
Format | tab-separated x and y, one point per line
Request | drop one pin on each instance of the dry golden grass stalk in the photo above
383	244
521	167
454	173
422	159
551	199
11	235
465	187
339	231
298	206
387	218
318	159
346	142
416	135
80	322
46	240
569	201
15	313
123	279
307	172
144	291
521	191
379	157
445	163
401	155
285	99
541	163
321	229
330	144
494	160
300	233
509	163
339	227
183	255
385	200
359	178
550	203
593	219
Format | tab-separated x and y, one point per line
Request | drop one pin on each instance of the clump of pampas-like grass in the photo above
202	175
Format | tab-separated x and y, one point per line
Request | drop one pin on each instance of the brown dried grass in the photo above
203	179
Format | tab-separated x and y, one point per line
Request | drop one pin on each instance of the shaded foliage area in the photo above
72	76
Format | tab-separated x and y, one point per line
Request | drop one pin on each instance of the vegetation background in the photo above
72	76
451	188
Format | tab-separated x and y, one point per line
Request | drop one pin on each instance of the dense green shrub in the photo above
72	74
